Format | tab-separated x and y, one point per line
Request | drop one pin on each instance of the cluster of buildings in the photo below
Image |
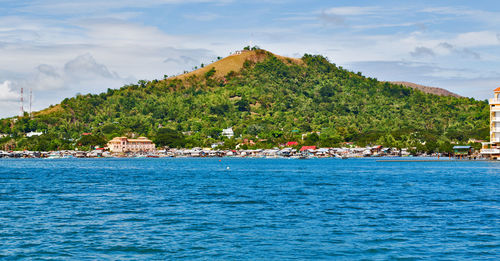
144	147
122	147
287	152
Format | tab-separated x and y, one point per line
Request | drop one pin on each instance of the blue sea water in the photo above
258	209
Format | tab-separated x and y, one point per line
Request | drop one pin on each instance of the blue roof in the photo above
462	147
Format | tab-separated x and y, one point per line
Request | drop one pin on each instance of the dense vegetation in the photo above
271	101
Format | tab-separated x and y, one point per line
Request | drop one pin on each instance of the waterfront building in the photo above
123	144
492	149
460	151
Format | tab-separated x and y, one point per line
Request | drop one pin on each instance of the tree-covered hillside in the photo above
270	100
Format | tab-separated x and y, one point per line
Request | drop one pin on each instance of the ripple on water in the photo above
143	209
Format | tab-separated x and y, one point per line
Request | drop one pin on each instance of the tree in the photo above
243	105
312	139
210	73
169	138
92	141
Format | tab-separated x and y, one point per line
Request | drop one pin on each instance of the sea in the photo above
248	209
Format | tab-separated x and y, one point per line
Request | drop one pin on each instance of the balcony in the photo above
495	119
495	109
490	151
494	101
495	140
495	129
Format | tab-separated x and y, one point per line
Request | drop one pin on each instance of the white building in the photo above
33	133
492	149
228	132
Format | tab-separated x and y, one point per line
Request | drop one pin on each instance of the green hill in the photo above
267	98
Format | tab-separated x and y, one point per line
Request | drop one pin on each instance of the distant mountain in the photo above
264	97
427	89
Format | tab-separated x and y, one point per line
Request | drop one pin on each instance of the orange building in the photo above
123	144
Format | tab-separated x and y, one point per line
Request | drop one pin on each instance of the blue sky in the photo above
60	48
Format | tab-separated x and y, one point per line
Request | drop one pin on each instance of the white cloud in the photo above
351	10
46	77
64	47
97	6
473	39
6	92
423	52
463	81
85	66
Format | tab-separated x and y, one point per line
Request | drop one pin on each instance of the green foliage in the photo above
166	137
243	105
312	139
210	73
92	141
276	98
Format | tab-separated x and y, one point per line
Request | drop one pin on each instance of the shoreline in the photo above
376	152
388	159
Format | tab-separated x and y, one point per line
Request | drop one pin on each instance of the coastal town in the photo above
304	152
142	147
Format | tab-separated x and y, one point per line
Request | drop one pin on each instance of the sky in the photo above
61	48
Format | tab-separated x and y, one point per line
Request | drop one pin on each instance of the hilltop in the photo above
234	63
264	97
428	89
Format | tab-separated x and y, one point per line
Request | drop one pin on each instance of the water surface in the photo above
248	209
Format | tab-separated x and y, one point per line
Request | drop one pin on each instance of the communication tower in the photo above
21	112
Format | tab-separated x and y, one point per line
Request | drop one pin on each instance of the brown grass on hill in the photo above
427	89
235	63
53	109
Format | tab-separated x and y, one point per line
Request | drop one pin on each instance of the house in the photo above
123	144
292	143
33	133
228	132
286	152
217	144
308	148
323	152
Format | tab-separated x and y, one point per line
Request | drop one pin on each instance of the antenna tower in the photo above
31	99
21	113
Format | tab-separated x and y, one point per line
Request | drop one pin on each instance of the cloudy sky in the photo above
61	48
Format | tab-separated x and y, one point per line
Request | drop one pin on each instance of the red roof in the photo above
307	148
86	133
497	89
292	143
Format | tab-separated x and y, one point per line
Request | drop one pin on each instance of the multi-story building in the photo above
492	149
123	144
